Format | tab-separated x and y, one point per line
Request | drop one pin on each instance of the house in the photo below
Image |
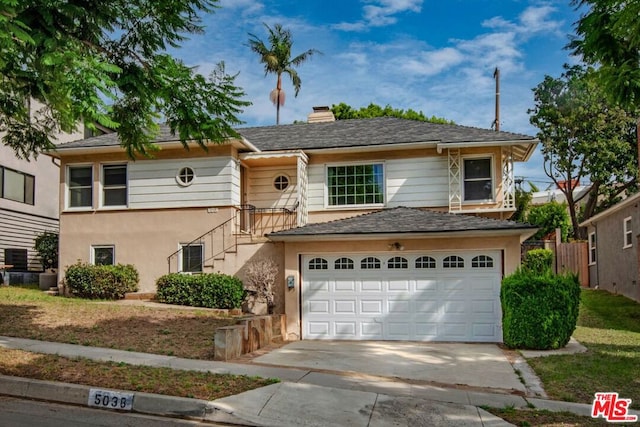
613	248
28	207
384	228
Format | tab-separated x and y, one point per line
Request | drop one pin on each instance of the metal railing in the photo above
213	245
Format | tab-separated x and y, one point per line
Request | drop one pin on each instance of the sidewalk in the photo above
305	397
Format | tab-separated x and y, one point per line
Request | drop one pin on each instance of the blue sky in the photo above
437	57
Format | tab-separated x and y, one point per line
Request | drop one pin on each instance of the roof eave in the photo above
530	146
372	147
615	208
524	234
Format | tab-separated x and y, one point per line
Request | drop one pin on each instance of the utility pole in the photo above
496	76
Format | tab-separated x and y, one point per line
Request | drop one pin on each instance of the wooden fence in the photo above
573	257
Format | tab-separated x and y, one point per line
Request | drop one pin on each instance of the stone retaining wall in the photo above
248	335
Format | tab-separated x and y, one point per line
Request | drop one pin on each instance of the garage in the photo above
393	295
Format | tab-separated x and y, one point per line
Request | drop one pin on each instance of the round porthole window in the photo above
281	182
185	176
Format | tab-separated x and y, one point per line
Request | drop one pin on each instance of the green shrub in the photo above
202	290
538	261
46	245
101	281
539	311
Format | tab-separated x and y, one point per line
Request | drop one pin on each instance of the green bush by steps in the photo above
539	311
201	290
101	281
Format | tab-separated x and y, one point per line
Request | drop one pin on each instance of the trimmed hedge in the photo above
101	281
539	311
538	261
202	290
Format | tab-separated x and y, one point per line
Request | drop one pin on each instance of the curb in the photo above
143	403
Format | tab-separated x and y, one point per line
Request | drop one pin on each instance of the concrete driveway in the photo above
475	365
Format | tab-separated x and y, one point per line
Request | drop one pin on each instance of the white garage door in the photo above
434	296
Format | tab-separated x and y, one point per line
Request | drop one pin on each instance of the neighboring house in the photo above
613	248
556	195
384	228
28	206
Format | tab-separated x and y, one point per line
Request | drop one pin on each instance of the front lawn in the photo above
26	312
609	326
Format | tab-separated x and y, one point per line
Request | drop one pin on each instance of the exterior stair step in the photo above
53	291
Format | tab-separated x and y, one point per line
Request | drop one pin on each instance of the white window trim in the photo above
92	254
180	257
592	247
491	158
67	189
627	231
101	185
354	207
178	180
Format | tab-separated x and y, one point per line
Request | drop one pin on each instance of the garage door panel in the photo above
319	307
398	330
426	285
427	306
399	285
424	302
345	329
345	285
399	306
371	330
371	306
371	286
344	307
483	306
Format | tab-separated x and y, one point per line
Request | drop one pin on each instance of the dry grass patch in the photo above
121	376
542	418
26	312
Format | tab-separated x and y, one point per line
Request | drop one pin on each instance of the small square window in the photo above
103	255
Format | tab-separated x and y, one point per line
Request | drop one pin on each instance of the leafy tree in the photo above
523	202
608	35
105	62
548	217
343	111
277	60
584	137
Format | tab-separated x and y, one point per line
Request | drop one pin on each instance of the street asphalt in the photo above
305	397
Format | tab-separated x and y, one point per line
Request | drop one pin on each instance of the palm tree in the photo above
277	60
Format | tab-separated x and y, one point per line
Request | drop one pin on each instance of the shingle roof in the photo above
368	132
403	220
341	133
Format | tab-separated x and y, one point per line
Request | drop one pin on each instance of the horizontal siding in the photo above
417	182
152	183
19	231
262	193
315	187
414	182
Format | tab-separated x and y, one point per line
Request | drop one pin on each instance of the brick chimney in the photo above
321	114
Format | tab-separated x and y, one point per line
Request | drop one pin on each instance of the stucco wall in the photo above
292	251
142	238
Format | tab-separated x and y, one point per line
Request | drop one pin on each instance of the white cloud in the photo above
380	13
536	20
432	62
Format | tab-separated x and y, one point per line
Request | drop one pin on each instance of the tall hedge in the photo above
101	281
202	290
539	311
